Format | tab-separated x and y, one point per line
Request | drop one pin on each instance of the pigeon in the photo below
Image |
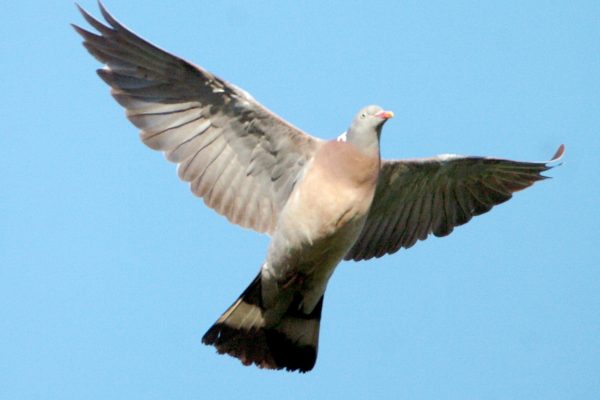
320	201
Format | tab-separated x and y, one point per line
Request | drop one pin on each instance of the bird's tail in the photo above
290	343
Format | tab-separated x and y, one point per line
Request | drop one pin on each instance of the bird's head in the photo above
365	129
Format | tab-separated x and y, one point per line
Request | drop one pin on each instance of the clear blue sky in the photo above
111	271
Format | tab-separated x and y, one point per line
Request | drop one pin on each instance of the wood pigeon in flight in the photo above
320	201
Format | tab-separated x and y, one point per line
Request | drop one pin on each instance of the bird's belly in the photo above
313	235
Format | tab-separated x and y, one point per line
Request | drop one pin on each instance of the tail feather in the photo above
290	343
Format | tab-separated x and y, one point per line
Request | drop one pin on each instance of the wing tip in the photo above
96	23
556	160
558	154
107	16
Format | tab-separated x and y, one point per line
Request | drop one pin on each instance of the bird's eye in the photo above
363	115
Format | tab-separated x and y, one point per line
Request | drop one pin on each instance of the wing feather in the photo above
415	198
235	153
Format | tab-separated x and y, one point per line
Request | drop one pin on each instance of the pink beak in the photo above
385	114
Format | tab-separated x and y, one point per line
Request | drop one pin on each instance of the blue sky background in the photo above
111	271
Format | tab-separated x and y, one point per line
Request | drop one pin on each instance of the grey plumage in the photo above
416	198
321	201
201	122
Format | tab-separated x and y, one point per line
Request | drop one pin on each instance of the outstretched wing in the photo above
433	195
239	157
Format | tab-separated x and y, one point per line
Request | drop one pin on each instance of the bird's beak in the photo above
385	114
